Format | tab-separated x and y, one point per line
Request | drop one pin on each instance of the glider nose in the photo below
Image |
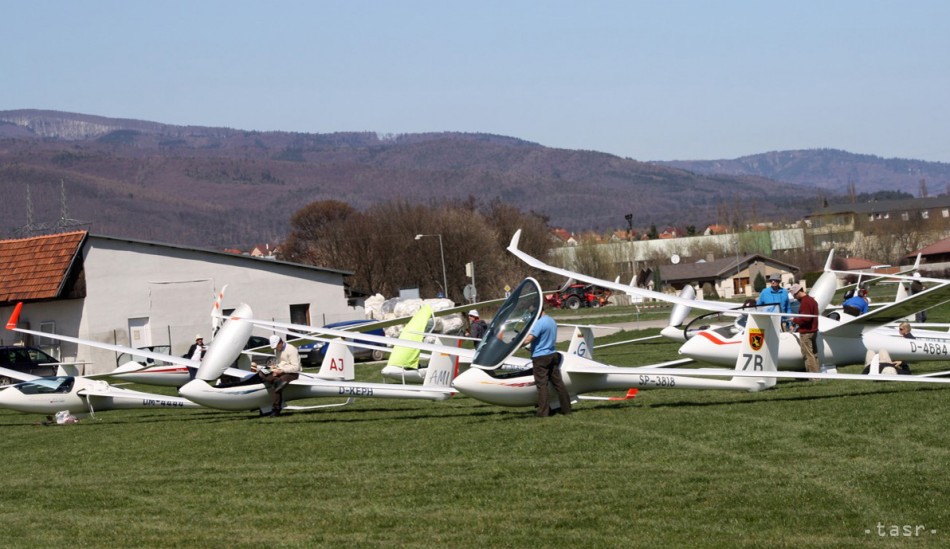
673	333
514	391
6	396
469	382
462	379
195	390
710	347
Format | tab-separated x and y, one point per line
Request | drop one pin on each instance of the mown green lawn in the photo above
803	465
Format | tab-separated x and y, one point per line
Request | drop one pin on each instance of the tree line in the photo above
380	247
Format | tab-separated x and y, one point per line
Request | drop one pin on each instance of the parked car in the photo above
312	353
28	360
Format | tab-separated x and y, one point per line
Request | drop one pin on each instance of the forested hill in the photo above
220	186
833	170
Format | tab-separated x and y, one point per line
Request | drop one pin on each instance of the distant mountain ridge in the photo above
830	169
224	187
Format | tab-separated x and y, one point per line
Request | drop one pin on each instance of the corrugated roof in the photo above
36	268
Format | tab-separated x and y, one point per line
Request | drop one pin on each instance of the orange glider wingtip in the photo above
630	394
15	317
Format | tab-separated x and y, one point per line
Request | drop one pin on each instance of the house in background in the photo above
935	259
729	276
141	294
842	227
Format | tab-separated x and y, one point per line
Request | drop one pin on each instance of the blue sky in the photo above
657	80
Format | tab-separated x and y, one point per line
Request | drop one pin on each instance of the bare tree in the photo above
380	248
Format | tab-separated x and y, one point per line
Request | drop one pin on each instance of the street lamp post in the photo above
445	284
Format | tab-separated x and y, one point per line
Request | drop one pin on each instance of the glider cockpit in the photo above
510	326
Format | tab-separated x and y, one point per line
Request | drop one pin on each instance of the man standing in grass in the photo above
807	327
546	364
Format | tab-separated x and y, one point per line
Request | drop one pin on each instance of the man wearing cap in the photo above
807	326
286	370
774	299
197	349
477	326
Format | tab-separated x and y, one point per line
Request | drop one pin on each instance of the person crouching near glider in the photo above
286	370
881	363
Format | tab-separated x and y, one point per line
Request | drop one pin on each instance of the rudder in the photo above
759	351
338	363
441	370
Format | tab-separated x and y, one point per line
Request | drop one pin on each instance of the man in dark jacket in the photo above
477	326
807	326
197	349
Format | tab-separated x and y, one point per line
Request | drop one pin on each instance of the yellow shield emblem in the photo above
756	338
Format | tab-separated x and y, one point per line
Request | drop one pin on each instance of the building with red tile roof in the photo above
139	294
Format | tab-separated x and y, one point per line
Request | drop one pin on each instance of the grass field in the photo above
824	464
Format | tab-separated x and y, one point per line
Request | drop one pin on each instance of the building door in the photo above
739	284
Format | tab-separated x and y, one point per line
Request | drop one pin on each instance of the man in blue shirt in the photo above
546	364
775	298
857	304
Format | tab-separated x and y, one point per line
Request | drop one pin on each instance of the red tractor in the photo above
574	296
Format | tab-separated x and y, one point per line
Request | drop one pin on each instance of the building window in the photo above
51	346
945	212
905	216
925	214
300	314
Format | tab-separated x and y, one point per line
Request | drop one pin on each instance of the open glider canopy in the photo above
510	327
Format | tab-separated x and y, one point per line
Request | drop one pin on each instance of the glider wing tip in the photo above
15	317
515	238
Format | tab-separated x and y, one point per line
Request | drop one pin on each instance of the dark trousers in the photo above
547	368
275	386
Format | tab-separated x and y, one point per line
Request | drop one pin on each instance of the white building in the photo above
141	294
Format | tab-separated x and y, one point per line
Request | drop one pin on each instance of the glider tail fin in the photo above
68	370
441	370
338	363
901	293
228	344
830	260
216	318
680	311
678	316
759	352
582	342
823	290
